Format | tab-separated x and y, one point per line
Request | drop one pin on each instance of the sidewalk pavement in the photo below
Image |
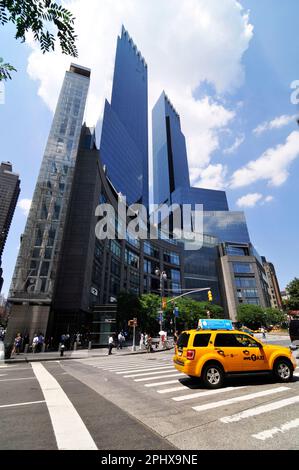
79	354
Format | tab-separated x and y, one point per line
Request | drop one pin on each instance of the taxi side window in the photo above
201	339
245	340
226	340
183	340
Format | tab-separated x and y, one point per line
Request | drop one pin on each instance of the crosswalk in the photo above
160	376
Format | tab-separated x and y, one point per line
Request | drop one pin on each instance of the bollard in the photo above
75	346
26	348
89	345
43	347
62	350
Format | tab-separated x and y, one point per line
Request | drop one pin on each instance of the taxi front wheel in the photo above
213	375
283	370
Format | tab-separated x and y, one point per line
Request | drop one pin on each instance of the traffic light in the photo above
210	296
164	303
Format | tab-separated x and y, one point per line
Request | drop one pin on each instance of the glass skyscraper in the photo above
124	136
36	265
9	193
170	164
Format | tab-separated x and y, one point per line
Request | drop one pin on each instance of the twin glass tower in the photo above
124	152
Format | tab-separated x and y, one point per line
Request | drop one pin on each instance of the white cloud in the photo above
211	177
238	141
24	205
184	43
271	166
276	123
251	199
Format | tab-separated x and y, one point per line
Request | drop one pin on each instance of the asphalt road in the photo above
141	402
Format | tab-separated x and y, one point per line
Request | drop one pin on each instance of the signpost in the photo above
133	323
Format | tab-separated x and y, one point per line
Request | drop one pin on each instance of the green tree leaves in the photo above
5	70
255	316
293	292
41	17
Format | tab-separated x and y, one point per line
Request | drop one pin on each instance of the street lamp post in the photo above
163	277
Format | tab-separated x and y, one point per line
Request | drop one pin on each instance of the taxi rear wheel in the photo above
283	370
213	375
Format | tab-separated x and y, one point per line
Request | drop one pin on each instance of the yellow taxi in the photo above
214	354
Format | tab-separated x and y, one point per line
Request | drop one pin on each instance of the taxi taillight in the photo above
190	354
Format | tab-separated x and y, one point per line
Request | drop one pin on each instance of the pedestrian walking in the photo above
148	343
121	339
110	345
263	330
17	344
35	343
141	341
41	341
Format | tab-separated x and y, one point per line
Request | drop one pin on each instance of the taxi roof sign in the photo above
214	324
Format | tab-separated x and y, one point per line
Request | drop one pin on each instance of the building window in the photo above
150	250
171	257
115	248
243	268
132	240
115	267
237	250
132	259
147	266
244	282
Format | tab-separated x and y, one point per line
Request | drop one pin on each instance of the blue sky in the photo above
253	89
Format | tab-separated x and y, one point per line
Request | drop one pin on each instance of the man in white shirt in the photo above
110	344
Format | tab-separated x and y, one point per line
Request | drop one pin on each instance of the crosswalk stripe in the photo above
140	367
152	373
157	377
260	409
205	393
145	369
229	401
269	433
167	382
172	389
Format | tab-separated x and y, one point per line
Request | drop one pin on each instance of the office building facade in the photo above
9	193
36	267
274	290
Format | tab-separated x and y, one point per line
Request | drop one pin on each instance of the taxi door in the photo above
228	349
252	355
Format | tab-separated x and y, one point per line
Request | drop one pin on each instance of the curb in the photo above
63	358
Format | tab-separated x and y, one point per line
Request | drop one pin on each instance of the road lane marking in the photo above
270	433
2	375
166	370
22	404
157	377
260	409
167	382
205	393
69	429
20	378
230	401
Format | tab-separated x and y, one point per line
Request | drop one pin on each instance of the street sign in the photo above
176	311
132	322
